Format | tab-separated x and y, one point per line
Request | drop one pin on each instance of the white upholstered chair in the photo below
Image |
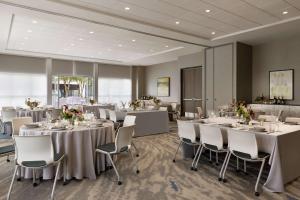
18	122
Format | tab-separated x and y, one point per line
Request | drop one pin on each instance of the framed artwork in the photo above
282	84
163	87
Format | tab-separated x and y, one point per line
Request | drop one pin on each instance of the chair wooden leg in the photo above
55	180
12	182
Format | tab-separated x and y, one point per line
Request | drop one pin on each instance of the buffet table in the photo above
78	144
150	122
282	145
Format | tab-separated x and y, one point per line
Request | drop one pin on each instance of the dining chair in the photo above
187	135
7	116
122	144
212	140
130	121
7	151
103	113
36	152
18	122
243	145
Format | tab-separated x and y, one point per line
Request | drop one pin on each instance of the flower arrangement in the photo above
72	114
135	104
31	103
123	104
156	101
243	110
92	101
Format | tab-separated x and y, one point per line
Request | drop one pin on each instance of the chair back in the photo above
123	138
103	114
163	108
112	115
129	120
18	122
293	120
211	135
8	115
34	148
243	141
267	118
186	129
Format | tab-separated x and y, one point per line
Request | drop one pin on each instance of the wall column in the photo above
95	77
49	80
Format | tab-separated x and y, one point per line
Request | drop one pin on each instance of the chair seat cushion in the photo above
188	141
34	164
7	149
214	147
248	156
110	147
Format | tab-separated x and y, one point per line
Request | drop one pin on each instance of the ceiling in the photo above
139	32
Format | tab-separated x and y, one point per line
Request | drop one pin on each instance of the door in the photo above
191	90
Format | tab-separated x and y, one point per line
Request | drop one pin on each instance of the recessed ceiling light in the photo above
213	33
25	38
80	39
166	46
29	31
34	21
91	32
127	8
72	44
133	40
177	22
207	10
285	12
120	45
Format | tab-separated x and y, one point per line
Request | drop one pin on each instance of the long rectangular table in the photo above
150	122
283	147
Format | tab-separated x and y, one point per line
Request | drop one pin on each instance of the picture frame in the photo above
281	84
163	87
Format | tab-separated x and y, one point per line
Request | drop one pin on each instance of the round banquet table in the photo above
78	145
36	114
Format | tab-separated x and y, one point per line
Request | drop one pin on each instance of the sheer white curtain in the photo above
16	87
114	90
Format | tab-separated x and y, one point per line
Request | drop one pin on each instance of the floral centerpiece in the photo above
135	104
31	103
242	110
92	101
72	114
156	101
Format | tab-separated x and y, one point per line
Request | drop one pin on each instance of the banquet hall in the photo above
143	100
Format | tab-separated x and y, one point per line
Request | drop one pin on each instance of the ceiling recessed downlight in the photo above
80	39
177	22
34	21
127	8
166	46
213	33
207	10
285	12
29	31
91	32
133	40
72	44
120	45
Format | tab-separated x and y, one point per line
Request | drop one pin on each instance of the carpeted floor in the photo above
159	179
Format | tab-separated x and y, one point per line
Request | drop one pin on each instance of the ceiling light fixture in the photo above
91	32
120	45
177	22
34	21
207	10
285	12
80	39
29	31
127	8
166	46
72	44
213	33
133	40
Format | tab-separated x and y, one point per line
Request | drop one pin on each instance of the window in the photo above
16	87
114	90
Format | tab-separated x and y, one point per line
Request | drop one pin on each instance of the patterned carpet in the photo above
159	179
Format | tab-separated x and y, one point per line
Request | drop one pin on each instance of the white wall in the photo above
172	70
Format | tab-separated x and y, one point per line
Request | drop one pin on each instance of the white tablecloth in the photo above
150	122
283	147
79	147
